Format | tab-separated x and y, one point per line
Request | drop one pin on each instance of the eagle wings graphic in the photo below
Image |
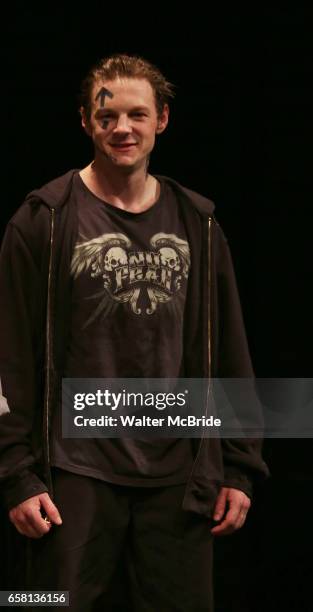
107	253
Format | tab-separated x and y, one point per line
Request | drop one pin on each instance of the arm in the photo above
19	283
242	458
21	375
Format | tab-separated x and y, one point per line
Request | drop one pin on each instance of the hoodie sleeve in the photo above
19	373
242	457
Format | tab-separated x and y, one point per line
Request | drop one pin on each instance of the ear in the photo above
163	119
85	120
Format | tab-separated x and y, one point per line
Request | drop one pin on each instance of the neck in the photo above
134	190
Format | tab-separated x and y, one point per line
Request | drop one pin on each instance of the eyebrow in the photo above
107	109
140	108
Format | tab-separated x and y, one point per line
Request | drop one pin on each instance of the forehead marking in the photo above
102	94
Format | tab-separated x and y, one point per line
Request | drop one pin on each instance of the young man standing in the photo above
112	272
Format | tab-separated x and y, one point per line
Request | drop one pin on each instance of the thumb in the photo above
220	505
51	510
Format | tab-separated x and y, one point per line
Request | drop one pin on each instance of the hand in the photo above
27	517
239	504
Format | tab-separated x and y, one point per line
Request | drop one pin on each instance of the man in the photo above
112	272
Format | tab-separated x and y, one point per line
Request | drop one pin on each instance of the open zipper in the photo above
209	354
49	359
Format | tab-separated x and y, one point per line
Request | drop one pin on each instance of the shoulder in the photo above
202	204
31	221
54	193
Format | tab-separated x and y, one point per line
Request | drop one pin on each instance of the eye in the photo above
139	114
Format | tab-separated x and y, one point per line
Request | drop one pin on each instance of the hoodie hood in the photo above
55	193
202	204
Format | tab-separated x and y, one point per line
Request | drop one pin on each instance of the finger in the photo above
30	519
238	508
224	528
242	515
241	520
30	532
50	509
37	522
228	525
220	505
26	529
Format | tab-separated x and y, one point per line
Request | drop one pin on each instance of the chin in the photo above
124	163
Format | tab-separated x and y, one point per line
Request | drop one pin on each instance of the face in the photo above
124	121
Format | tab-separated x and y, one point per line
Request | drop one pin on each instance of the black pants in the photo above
164	553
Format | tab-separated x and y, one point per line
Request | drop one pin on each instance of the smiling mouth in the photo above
123	146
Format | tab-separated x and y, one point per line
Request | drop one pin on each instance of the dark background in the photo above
240	132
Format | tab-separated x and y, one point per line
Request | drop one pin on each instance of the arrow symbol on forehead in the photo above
102	94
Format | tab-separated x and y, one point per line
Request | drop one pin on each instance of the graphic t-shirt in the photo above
130	274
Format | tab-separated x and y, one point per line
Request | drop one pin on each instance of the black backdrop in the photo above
240	133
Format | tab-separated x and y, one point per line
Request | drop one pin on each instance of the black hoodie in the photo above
35	310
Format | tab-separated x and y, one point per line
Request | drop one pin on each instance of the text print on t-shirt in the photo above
128	274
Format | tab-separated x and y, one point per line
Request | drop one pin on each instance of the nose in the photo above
122	125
